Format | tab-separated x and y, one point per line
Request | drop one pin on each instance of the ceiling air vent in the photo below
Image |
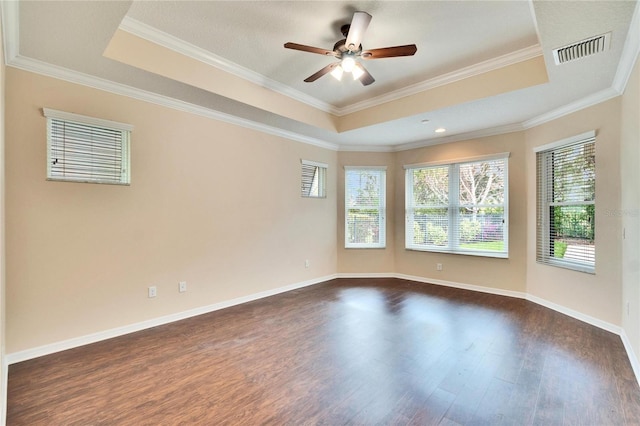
581	49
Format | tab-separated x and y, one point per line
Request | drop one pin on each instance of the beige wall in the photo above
630	211
598	295
375	260
210	203
504	274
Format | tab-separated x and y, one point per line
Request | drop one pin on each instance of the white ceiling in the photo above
454	40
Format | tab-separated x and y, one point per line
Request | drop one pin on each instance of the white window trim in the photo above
382	243
591	134
314	163
92	121
473	159
454	207
126	129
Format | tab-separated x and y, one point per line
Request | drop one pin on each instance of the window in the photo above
365	207
314	179
86	149
566	181
459	207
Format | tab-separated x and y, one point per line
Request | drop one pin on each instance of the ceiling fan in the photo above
350	48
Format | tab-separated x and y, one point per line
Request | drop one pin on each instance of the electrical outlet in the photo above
438	266
153	291
307	263
182	286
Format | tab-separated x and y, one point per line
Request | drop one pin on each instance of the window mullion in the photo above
454	206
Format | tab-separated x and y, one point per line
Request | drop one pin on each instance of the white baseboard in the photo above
366	275
575	314
115	332
633	359
472	287
498	291
25	355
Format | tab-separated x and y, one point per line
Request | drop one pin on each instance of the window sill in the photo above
578	267
498	255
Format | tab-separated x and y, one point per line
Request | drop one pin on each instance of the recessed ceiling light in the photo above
440	130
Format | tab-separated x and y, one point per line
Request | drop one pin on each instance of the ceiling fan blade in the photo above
390	52
359	25
311	49
366	78
323	71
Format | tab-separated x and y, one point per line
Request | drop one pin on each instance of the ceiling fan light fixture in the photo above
348	64
337	73
357	72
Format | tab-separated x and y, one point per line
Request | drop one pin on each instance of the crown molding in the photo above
629	55
10	29
49	70
476	134
39	67
168	41
366	148
470	71
580	104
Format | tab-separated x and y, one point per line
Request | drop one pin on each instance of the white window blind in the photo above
458	207
86	149
566	182
365	190
314	179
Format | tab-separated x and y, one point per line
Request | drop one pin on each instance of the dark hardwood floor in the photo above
349	351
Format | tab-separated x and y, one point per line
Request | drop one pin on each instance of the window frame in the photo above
382	214
453	206
91	123
320	171
543	204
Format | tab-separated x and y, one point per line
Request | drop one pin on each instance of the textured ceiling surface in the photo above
249	36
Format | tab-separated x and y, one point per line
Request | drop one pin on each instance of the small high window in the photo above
314	179
87	149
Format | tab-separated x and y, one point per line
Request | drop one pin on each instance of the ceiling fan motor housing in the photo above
341	48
